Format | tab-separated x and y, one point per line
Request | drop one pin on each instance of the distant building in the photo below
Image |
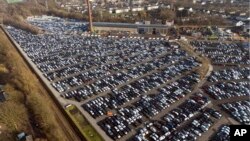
147	22
243	14
182	12
152	29
136	2
239	23
180	8
134	9
152	7
117	11
232	13
169	23
132	28
190	9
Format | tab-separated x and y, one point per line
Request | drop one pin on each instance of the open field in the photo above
86	129
28	107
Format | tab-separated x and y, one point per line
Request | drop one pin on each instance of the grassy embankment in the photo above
28	107
83	125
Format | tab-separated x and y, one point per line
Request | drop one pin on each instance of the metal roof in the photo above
128	25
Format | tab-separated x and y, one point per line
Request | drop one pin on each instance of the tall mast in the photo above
90	15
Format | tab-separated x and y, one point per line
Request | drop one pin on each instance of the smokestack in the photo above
90	15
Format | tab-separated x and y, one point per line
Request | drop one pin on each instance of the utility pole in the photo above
90	15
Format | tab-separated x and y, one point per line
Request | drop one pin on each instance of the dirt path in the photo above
33	124
206	68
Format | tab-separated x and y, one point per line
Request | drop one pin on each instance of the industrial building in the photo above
132	28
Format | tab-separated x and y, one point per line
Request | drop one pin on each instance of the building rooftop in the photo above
127	25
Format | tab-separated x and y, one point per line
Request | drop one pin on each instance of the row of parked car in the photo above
130	80
164	129
145	106
74	61
127	54
195	129
58	25
223	134
125	94
152	105
230	74
223	90
239	110
70	50
151	78
231	60
222	53
115	126
104	71
98	55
